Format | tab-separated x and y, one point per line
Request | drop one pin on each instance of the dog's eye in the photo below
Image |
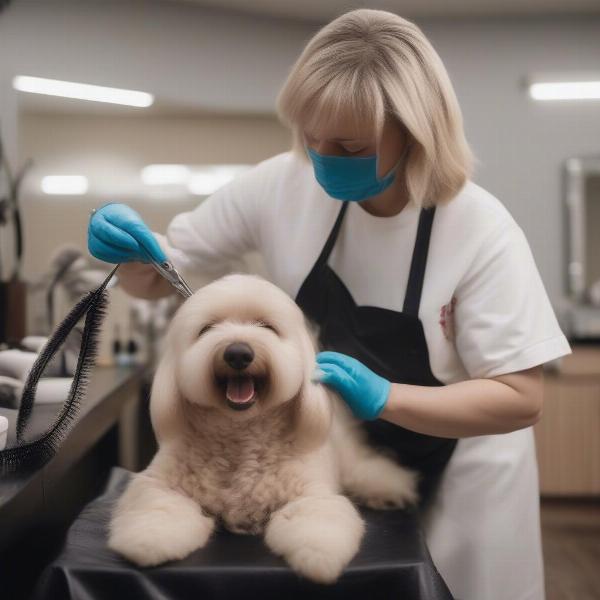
266	325
205	329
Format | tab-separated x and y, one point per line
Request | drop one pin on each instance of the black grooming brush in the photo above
34	453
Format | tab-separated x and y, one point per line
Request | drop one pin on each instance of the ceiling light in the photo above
565	90
66	185
206	180
81	91
165	174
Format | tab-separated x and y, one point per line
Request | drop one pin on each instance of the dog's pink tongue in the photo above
240	389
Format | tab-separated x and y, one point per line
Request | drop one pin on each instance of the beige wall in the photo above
196	58
110	151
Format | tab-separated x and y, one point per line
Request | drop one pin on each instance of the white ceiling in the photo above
224	62
323	10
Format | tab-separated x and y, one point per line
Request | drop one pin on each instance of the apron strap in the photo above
328	247
412	300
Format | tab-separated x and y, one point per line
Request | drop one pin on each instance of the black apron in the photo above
390	343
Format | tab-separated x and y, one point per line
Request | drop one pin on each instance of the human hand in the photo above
117	234
363	390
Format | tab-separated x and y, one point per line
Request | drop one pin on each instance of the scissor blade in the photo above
169	272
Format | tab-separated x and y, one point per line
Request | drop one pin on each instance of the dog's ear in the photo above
165	399
314	409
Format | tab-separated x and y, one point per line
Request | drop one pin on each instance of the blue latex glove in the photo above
363	390
117	234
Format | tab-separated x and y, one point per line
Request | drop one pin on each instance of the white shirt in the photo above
478	254
485	312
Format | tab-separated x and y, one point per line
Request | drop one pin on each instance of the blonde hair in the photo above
374	65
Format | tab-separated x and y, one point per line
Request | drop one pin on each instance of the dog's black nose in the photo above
238	355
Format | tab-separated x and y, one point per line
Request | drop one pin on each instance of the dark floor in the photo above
571	538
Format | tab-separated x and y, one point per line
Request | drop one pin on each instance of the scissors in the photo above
166	269
170	273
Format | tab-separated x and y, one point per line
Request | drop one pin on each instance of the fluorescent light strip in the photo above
82	91
200	180
65	185
206	180
566	90
165	174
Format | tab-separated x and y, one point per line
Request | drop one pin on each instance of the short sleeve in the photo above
224	226
503	317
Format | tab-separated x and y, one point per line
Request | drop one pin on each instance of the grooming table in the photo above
393	562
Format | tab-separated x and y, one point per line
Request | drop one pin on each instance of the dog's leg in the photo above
153	524
378	482
371	478
317	535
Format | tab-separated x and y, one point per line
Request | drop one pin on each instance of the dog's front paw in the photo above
150	540
318	536
317	564
153	523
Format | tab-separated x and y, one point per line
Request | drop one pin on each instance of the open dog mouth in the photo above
241	391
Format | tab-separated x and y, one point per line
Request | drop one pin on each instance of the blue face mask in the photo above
349	178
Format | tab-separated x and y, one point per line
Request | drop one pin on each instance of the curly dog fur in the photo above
248	440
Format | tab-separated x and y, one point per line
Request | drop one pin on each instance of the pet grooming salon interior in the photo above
300	299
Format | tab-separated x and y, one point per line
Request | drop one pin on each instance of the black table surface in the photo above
22	494
393	562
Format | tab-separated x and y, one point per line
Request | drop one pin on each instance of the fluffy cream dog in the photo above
246	437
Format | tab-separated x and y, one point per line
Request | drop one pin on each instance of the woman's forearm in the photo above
467	408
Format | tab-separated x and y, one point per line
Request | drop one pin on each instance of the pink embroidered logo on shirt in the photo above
447	319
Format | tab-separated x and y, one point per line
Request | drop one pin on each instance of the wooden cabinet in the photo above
568	433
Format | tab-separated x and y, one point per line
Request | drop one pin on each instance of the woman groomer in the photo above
431	308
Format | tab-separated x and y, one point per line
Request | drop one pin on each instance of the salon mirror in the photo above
582	203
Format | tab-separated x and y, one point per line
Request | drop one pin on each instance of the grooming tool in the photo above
131	346
26	453
167	270
170	273
117	346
